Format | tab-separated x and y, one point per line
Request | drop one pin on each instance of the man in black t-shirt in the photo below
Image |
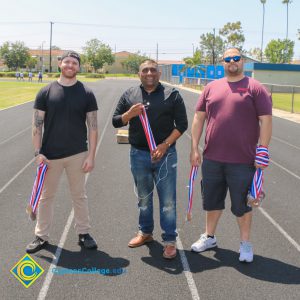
63	108
168	120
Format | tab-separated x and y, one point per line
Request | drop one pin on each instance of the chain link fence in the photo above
285	97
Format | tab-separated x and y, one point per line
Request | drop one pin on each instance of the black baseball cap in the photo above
71	53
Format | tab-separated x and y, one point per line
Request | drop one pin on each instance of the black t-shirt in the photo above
65	131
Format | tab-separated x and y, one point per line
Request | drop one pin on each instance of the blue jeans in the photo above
163	175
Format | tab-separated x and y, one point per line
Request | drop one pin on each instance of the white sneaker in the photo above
246	252
204	243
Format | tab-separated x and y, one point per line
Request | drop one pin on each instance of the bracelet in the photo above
167	143
36	153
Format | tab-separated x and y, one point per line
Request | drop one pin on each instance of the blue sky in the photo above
133	25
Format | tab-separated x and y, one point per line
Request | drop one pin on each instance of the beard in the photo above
70	74
233	70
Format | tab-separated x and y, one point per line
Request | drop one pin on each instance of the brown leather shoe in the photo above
140	240
170	251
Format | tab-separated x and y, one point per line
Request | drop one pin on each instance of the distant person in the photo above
40	76
22	76
65	109
30	76
238	115
168	120
18	75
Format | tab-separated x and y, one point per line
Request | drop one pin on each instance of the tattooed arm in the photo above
37	133
37	128
92	123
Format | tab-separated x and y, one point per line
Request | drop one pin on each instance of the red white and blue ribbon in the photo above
257	183
262	156
193	175
37	190
147	129
256	193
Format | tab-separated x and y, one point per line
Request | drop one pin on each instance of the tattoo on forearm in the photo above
38	122
92	120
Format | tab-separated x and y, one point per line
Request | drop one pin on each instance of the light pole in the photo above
262	31
43	56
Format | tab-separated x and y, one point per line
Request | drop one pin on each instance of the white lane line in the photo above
44	290
187	271
15	105
279	228
285	169
12	137
284	142
13	178
191	138
47	281
283	232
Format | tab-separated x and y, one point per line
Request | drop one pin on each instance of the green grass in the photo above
284	101
14	93
281	101
120	75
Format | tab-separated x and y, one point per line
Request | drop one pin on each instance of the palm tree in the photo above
194	62
287	2
262	30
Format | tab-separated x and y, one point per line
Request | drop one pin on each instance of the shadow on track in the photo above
87	259
262	268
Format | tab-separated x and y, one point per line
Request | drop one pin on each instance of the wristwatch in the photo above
167	143
36	153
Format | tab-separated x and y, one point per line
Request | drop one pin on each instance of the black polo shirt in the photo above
165	110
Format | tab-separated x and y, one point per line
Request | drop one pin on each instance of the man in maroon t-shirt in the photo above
238	111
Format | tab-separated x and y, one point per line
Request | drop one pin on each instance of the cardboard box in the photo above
122	136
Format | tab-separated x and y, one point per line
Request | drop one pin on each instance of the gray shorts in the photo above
218	177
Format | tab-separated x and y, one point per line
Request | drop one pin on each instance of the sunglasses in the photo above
229	58
146	70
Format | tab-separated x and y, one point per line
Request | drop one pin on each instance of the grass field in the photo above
284	101
13	93
120	75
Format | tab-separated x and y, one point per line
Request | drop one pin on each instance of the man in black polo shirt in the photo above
63	107
167	117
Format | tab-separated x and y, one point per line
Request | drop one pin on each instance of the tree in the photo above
31	62
194	62
197	59
262	30
55	47
233	35
132	63
211	47
97	54
255	53
280	51
14	55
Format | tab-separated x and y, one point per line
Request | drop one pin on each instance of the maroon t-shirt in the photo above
232	110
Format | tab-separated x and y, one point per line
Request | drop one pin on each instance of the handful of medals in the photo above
256	193
252	202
